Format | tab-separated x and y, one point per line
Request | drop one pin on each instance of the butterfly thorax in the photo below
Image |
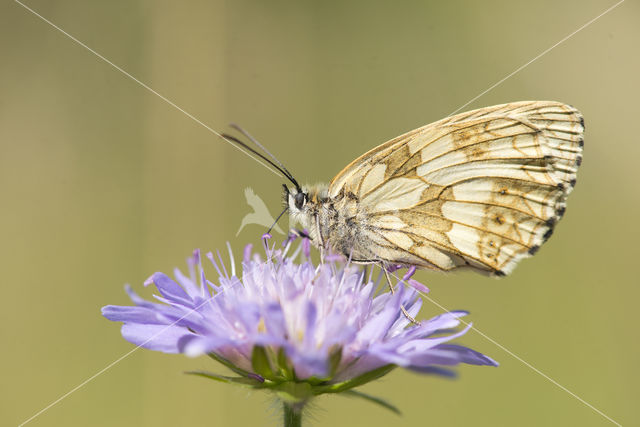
334	223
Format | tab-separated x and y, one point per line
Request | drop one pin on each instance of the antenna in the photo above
255	141
285	173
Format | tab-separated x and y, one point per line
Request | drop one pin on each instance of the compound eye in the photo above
300	199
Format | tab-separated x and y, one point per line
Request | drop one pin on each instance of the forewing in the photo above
481	189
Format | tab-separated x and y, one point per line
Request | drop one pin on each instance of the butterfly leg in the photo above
393	291
320	239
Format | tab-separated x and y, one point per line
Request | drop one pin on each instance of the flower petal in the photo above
465	355
154	337
424	344
194	345
169	289
134	314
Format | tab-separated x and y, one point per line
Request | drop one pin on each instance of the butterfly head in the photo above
295	199
303	203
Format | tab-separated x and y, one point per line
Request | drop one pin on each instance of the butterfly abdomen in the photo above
343	224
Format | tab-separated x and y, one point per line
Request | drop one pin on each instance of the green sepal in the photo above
260	362
355	382
334	360
244	381
284	367
373	399
229	365
293	392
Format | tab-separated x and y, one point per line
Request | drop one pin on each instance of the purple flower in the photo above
297	328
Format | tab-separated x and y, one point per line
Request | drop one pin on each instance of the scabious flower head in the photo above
294	327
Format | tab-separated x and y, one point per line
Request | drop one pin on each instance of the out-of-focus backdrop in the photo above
103	183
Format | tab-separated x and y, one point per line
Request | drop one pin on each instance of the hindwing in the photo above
481	189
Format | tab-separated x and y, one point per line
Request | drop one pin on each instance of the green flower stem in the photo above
292	415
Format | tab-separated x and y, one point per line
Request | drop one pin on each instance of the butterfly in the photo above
479	190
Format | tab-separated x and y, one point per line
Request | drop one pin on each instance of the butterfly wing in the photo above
481	189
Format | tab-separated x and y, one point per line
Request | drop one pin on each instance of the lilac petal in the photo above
232	260
168	288
191	265
131	314
161	309
201	279
410	272
422	345
307	367
246	317
414	307
177	307
310	327
466	355
154	337
389	354
336	334
434	370
291	237
192	289
213	286
224	269
418	286
393	268
441	355
246	256
378	326
213	261
274	321
334	258
138	300
306	247
443	321
193	345
364	364
196	258
401	323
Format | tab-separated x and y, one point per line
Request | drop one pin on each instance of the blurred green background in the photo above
103	183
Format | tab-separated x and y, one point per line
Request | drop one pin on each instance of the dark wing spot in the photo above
560	211
581	142
550	222
561	186
499	273
582	122
352	196
533	249
573	182
579	160
547	234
